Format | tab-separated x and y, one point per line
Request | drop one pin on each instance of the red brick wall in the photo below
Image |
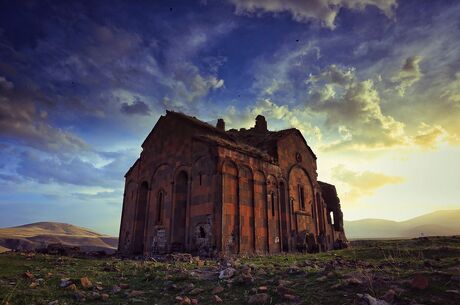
223	202
260	200
246	210
230	208
274	242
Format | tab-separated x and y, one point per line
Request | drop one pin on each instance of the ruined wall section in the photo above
129	209
299	167
203	214
167	152
247	223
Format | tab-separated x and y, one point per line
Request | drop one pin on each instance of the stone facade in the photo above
201	189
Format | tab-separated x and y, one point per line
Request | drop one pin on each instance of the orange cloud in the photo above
362	184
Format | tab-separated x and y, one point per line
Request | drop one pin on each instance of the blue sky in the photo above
373	85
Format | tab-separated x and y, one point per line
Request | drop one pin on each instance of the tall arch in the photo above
230	213
302	197
139	223
260	214
273	215
180	212
246	206
284	217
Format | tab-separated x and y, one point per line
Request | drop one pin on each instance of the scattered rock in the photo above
179	299
419	282
262	289
28	275
261	272
353	281
196	291
291	298
135	293
371	300
65	282
284	283
124	286
55	302
389	296
217	290
294	269
321	278
33	285
185	301
216	299
72	287
85	282
104	296
259	298
200	263
227	273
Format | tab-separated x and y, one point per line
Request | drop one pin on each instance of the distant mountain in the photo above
40	234
445	222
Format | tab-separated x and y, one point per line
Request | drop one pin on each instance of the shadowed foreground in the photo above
417	271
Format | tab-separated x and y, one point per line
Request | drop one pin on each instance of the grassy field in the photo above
417	271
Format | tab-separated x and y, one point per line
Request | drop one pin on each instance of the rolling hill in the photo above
37	235
439	223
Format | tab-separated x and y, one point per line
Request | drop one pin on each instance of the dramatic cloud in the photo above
78	79
449	103
137	107
427	135
281	73
362	184
409	74
303	11
53	169
20	121
278	117
5	84
353	108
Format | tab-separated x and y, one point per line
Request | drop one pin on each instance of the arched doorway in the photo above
180	210
139	223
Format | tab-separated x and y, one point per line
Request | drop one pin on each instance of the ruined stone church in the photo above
205	190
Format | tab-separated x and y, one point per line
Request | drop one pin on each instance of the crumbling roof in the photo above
261	144
236	145
266	141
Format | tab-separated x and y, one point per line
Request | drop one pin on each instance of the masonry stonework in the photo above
201	189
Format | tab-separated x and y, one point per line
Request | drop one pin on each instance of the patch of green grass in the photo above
334	277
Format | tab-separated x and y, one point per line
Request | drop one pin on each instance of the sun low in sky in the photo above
373	85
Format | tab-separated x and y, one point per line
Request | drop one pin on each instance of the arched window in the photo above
160	200
301	195
272	198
